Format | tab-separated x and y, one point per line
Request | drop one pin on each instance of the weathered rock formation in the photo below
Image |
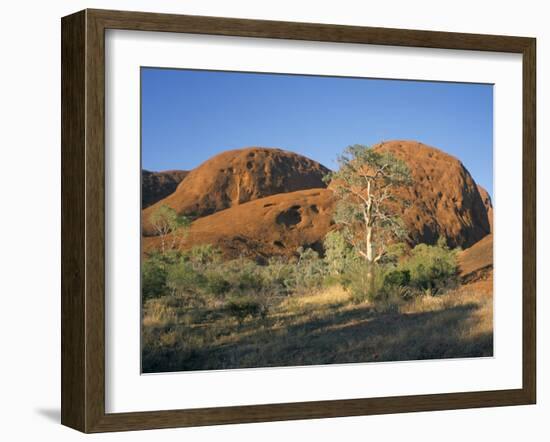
260	202
476	262
235	177
444	199
488	203
158	185
270	226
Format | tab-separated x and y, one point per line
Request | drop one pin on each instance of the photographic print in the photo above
295	220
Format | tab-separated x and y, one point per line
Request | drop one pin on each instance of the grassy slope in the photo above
319	328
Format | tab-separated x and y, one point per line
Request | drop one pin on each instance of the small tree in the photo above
168	224
366	211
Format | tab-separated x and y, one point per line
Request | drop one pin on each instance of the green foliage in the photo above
442	242
278	276
248	281
240	307
358	161
216	283
309	270
153	278
394	253
362	286
365	211
431	267
397	278
202	274
203	255
338	253
244	275
389	298
426	270
166	221
182	278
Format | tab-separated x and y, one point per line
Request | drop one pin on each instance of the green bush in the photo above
338	253
431	267
309	270
248	281
395	253
389	298
183	278
153	279
244	275
362	287
203	255
240	307
216	284
397	278
359	289
278	276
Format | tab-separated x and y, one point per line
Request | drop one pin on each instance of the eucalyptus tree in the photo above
368	185
169	226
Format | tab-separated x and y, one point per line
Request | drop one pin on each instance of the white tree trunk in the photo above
370	261
370	256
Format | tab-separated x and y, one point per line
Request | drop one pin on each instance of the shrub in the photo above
431	267
183	278
361	287
244	275
248	280
153	279
397	278
240	307
203	255
278	276
309	270
395	253
216	284
389	298
337	253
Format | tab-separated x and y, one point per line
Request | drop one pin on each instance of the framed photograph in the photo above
268	220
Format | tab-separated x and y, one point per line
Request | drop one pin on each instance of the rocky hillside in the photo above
237	176
262	202
488	203
274	225
158	185
444	199
476	266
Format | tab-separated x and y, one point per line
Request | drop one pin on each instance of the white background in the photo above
128	391
29	182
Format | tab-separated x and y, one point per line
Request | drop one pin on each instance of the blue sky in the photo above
189	116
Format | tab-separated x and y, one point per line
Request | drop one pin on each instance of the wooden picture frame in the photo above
83	220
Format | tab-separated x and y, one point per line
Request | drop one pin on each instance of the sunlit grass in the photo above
318	328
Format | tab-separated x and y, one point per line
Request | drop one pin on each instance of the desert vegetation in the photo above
365	290
201	312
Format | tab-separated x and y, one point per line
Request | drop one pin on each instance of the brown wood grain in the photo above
73	252
83	220
529	221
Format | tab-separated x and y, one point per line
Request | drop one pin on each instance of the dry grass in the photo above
320	328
